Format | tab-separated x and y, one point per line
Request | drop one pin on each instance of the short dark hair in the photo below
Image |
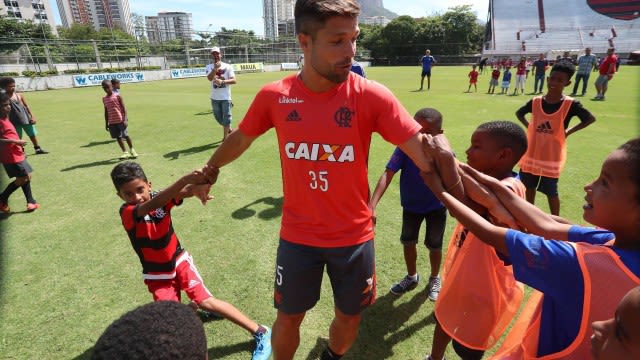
507	134
311	15
6	80
429	113
125	172
632	151
105	81
115	81
163	330
4	97
565	67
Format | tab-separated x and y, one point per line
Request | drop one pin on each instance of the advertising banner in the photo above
96	79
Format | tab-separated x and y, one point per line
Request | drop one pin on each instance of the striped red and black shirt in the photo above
153	239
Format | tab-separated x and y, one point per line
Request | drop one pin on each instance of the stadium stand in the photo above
530	27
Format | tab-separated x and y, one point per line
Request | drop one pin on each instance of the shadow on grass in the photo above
174	155
85	355
204	113
384	325
92	164
321	344
98	143
224	351
274	211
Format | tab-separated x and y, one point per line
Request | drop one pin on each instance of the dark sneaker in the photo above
433	287
263	345
40	151
406	284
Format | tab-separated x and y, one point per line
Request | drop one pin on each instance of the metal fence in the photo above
60	56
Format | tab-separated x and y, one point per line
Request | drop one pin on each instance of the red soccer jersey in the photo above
495	74
115	111
606	64
10	153
153	239
473	76
324	140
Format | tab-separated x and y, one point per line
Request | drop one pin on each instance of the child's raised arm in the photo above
527	215
487	232
173	192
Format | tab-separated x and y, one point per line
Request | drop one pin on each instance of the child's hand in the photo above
20	142
195	177
201	191
481	194
435	146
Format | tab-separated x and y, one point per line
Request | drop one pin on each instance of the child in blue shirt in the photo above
418	204
506	81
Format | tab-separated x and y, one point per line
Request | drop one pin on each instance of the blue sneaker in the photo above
263	345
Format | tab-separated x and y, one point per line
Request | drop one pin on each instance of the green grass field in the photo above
68	270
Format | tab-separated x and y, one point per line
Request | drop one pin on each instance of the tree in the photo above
78	31
455	32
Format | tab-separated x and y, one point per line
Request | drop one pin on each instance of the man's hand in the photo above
211	174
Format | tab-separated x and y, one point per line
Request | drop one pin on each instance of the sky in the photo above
211	15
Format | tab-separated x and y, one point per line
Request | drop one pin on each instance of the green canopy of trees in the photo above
455	32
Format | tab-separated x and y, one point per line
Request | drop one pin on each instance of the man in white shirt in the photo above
221	76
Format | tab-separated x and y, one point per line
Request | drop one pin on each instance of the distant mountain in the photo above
375	8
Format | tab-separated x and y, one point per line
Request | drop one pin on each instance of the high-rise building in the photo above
169	25
278	18
101	14
38	11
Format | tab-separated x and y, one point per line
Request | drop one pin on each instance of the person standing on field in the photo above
221	76
324	118
427	62
586	62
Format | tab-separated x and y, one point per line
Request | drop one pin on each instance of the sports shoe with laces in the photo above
263	345
406	284
32	207
134	154
4	207
125	155
40	151
433	287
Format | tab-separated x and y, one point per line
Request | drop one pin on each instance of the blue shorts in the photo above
222	111
299	271
426	73
118	131
602	80
545	185
435	224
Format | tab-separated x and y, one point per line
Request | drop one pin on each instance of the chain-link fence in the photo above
65	56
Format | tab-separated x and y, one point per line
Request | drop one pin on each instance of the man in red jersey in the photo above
324	117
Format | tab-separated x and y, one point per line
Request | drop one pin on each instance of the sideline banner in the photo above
248	67
289	66
96	79
188	73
